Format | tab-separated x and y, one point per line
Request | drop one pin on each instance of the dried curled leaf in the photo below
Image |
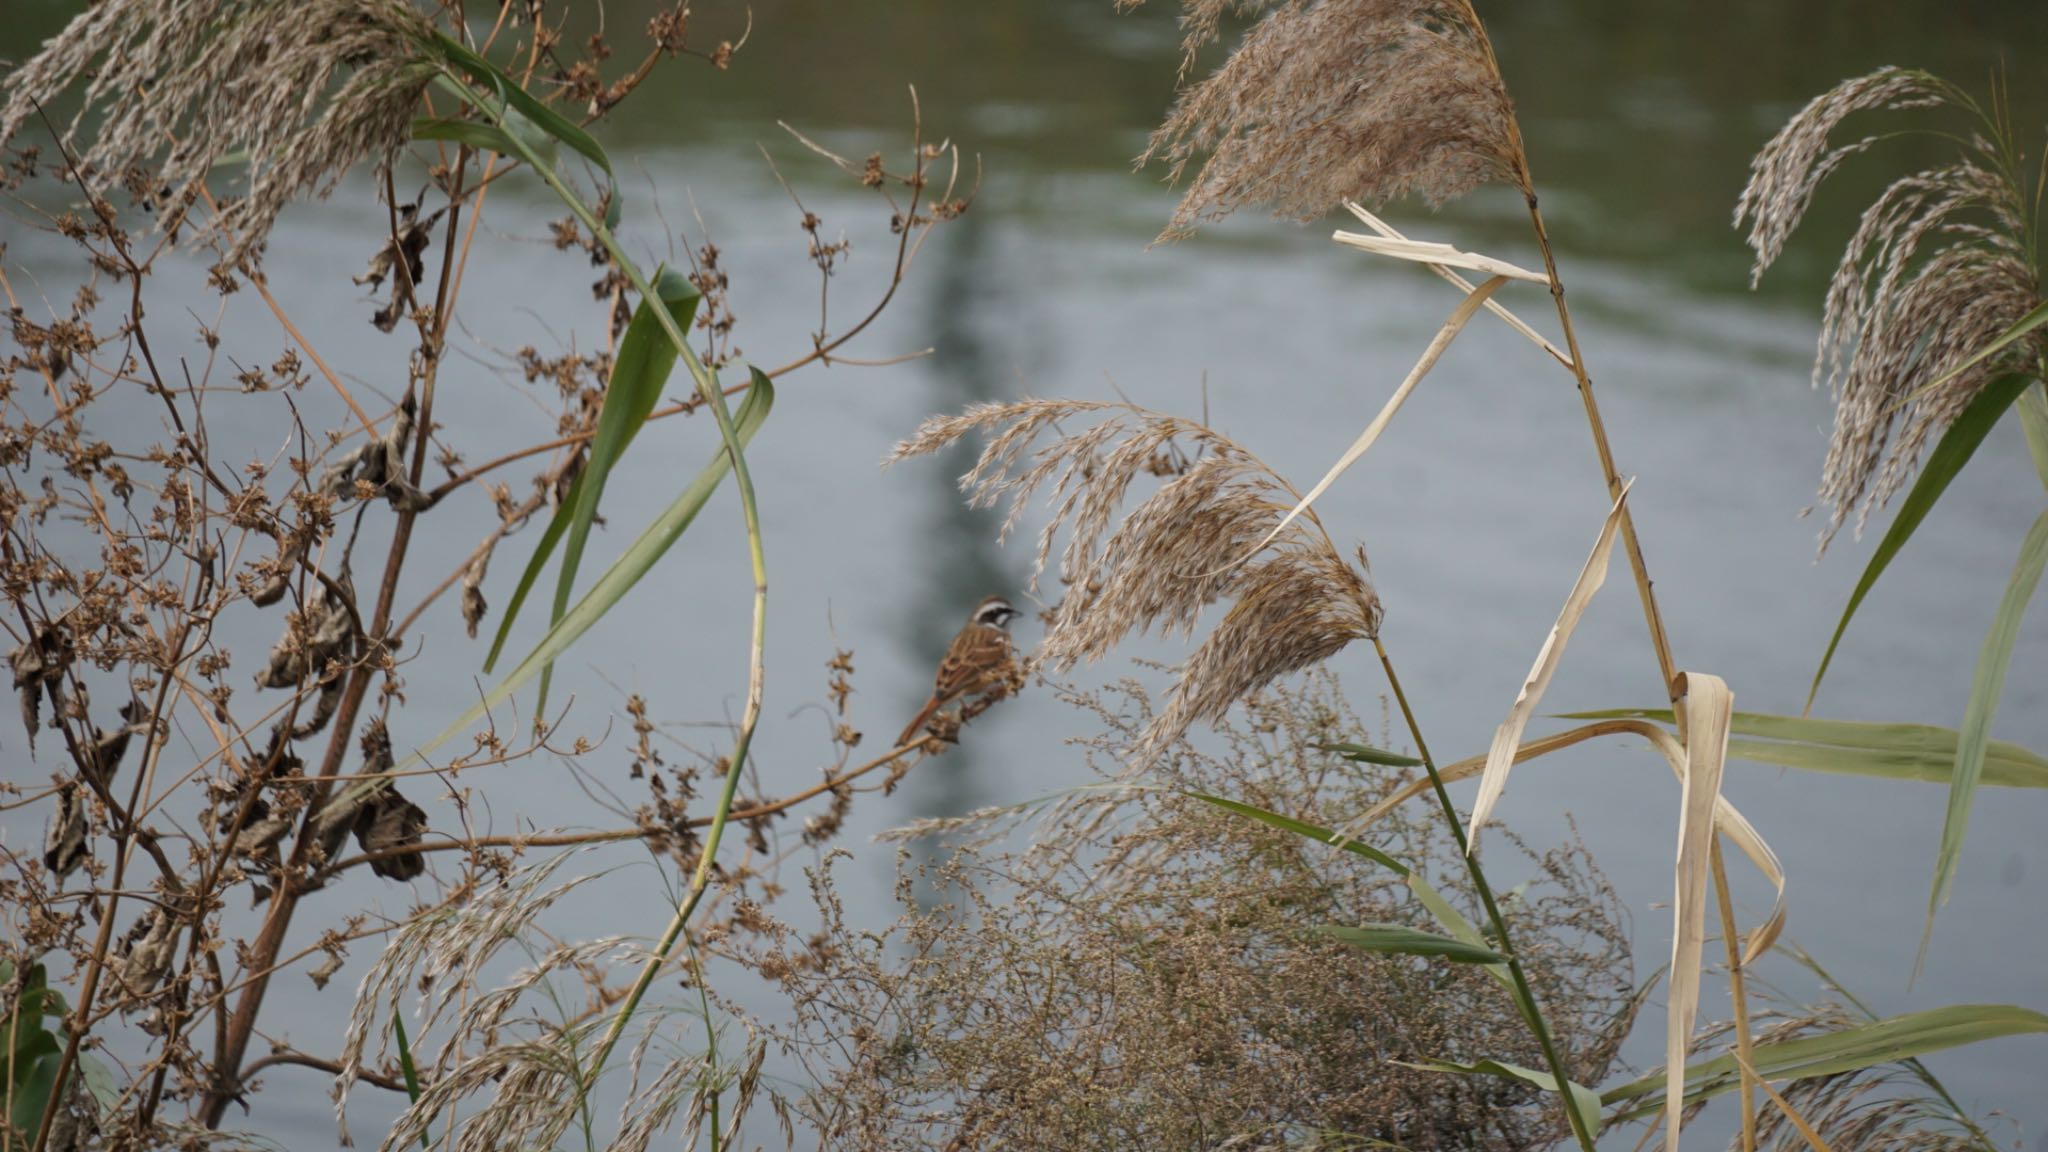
322	631
39	668
405	251
379	466
65	843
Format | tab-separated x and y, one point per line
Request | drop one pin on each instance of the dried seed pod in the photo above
66	843
391	821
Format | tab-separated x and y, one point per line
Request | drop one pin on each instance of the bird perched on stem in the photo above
981	661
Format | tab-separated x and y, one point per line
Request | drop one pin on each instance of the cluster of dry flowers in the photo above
208	632
1140	973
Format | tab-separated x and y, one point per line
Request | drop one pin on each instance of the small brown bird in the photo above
979	662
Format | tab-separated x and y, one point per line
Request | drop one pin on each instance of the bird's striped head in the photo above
995	612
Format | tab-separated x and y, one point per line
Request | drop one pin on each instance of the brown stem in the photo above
1667	666
574	839
270	937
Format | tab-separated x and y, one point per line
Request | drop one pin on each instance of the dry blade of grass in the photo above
1449	332
1727	818
1463	285
1508	737
1708	706
1806	1132
1432	252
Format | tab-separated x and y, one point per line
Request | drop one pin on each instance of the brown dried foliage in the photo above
1144	973
215	628
1941	264
1293	605
1328	100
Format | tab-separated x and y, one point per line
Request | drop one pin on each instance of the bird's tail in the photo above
924	714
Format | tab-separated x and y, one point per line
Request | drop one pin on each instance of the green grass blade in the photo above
2033	408
411	1073
627	570
498	83
1957	445
639	373
1409	942
486	137
1324	835
1457	925
1923	752
1584	1100
1987	684
1847	1050
1360	753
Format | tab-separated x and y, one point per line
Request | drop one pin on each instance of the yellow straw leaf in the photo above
1430	355
1508	738
1430	252
1708	708
1463	285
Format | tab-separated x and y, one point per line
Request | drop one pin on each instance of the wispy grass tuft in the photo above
1941	265
1328	100
300	90
1295	604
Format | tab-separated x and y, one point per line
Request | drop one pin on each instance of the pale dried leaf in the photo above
1430	355
1708	707
1508	738
1463	285
1435	254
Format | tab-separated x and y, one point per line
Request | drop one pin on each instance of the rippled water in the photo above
1477	507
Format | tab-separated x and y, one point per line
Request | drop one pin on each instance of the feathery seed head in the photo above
1937	270
1328	100
305	88
1182	548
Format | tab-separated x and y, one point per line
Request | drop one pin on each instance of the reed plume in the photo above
1940	266
302	88
1295	604
1328	100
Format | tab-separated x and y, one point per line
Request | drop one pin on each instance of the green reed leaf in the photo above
1847	1050
1408	941
639	373
2033	408
1363	754
497	83
626	571
1957	445
1923	752
1585	1101
1987	685
1303	828
1457	925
